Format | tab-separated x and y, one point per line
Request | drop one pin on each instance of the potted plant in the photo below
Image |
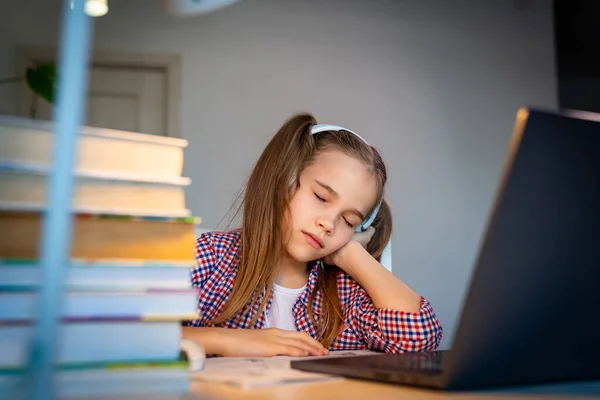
41	80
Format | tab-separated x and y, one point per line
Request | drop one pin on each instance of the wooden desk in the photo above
362	390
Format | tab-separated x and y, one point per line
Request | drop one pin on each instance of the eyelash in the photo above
320	198
324	201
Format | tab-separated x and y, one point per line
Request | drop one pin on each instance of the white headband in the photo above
315	129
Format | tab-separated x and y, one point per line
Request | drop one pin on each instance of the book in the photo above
98	339
19	304
104	151
104	236
86	379
101	274
256	372
24	188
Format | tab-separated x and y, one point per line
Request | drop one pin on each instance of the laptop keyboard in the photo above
410	362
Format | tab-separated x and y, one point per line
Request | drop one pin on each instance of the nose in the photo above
326	223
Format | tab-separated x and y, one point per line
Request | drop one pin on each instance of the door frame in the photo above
169	63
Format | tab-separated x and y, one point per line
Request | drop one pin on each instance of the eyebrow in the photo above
334	193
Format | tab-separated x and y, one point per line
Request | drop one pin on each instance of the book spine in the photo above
108	318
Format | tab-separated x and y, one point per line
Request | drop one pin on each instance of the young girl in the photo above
302	277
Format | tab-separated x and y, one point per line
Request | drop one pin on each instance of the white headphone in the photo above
315	129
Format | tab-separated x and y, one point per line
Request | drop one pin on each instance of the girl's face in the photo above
335	194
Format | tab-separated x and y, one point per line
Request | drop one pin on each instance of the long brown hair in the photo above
267	195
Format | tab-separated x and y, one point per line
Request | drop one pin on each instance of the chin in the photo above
301	253
303	256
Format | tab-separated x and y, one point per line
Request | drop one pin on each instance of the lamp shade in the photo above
189	8
96	8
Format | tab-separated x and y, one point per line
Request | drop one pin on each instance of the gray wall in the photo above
434	84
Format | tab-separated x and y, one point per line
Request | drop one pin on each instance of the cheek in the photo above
339	241
300	207
294	213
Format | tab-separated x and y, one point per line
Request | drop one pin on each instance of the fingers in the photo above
368	234
364	237
313	344
298	347
290	350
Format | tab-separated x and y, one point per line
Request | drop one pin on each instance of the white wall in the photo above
434	84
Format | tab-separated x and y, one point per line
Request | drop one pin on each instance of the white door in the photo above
136	92
130	99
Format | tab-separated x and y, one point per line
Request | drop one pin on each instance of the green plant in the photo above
40	79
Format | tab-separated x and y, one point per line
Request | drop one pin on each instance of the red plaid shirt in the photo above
365	327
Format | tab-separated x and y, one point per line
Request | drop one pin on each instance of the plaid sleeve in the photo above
206	259
393	331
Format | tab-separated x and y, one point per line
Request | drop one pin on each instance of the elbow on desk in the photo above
402	332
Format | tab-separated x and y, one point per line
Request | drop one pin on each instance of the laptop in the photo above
533	304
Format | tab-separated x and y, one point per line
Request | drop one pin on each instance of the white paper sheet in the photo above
250	372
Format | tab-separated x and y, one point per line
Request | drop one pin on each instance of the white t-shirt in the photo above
281	313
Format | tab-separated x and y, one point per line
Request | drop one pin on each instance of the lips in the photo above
313	240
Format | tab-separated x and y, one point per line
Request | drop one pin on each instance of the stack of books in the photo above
127	286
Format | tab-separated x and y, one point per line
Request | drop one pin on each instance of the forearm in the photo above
383	287
254	342
210	338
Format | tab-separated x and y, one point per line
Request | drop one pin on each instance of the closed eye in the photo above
320	198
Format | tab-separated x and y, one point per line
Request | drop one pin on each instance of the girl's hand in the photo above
269	342
362	238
